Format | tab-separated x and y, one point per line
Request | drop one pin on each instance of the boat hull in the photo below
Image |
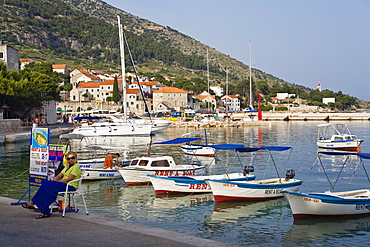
100	174
256	190
137	176
346	145
114	130
198	150
305	206
190	184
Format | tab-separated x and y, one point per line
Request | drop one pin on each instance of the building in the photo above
24	61
328	100
171	97
217	90
9	56
61	68
208	99
231	102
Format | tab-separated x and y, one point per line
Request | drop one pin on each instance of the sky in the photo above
300	41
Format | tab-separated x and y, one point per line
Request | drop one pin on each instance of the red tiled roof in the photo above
146	83
89	84
171	90
132	91
59	66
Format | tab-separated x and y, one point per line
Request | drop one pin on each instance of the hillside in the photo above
84	34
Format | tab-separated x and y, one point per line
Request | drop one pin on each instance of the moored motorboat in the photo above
160	165
337	136
331	203
196	184
265	189
197	149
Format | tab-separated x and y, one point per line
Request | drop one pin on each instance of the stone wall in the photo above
10	125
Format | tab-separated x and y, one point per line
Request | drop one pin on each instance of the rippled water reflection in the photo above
259	223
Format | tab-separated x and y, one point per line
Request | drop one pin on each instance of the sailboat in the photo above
116	126
249	113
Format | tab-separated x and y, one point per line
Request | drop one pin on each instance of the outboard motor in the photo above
247	170
289	174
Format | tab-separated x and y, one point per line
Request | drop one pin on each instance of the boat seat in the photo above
70	195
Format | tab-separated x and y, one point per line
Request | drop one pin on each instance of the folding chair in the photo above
72	194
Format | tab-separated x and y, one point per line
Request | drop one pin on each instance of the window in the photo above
143	162
134	162
1	54
160	163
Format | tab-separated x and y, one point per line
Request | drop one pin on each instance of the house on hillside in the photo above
135	102
24	61
61	68
94	91
9	56
217	90
231	102
147	86
78	76
171	97
207	99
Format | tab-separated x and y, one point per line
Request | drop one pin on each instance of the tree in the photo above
116	95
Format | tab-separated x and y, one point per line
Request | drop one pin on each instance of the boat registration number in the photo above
360	207
311	200
273	191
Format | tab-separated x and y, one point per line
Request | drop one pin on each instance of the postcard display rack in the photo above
45	159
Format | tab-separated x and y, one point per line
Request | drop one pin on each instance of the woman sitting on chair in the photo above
49	189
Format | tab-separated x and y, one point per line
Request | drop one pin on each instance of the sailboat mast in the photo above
250	75
123	68
207	71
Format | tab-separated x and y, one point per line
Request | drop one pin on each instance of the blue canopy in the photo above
86	118
361	155
250	149
177	141
226	146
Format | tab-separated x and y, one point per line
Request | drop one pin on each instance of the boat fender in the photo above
248	169
289	174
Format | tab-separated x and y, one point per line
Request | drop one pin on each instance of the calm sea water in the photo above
259	223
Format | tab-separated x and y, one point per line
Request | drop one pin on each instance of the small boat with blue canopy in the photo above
334	203
160	165
255	190
196	184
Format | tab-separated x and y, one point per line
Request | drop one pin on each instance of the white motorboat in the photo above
337	136
266	189
160	165
113	126
158	125
197	149
93	169
196	184
331	203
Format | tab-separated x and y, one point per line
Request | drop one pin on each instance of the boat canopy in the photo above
361	155
251	149
226	146
177	141
87	118
106	147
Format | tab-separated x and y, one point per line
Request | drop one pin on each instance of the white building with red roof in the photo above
61	68
232	102
170	98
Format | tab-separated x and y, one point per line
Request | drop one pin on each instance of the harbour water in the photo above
267	223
